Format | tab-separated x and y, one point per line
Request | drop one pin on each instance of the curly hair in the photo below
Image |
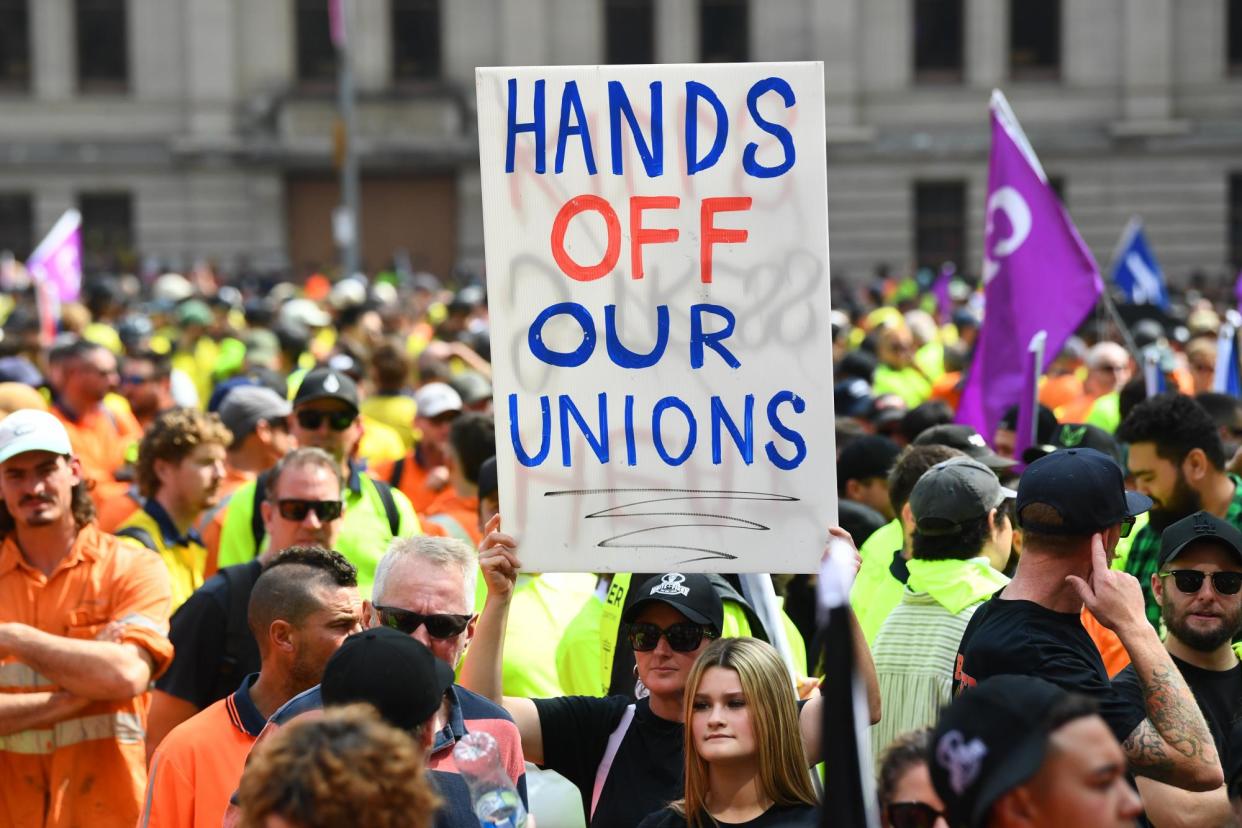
345	767
907	751
171	438
1177	425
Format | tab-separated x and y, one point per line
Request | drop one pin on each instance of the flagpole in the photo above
349	234
1114	315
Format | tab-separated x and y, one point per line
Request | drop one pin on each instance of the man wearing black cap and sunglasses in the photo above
1073	508
1198	587
325	416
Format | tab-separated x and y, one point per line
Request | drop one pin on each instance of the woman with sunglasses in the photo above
625	758
904	786
744	763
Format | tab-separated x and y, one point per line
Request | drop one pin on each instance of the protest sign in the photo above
658	286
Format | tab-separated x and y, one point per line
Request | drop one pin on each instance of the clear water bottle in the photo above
496	800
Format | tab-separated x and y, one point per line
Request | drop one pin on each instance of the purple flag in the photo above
940	289
1038	274
57	262
1237	290
336	23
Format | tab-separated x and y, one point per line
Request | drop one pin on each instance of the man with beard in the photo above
1199	590
1177	459
146	384
180	466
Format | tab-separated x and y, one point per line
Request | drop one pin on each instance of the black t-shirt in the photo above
1218	692
646	773
198	631
778	816
1022	638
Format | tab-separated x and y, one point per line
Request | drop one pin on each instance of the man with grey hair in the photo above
1108	369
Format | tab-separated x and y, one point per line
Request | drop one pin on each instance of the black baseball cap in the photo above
390	670
327	384
691	594
1200	526
866	457
966	440
886	410
852	397
1085	487
952	494
990	740
1077	435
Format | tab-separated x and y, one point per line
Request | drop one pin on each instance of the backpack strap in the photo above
610	753
394	476
257	529
139	534
390	506
236	630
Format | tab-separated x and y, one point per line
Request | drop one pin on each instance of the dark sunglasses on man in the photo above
337	420
294	509
1190	581
441	625
913	815
682	638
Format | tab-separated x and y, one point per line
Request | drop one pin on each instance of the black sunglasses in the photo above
1190	581
325	510
337	420
441	625
1127	526
682	638
913	815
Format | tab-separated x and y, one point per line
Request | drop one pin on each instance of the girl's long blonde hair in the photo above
768	688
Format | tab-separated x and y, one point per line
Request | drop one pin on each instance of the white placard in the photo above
659	299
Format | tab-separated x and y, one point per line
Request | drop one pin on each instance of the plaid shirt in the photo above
1144	558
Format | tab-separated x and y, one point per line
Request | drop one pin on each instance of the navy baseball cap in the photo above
1084	486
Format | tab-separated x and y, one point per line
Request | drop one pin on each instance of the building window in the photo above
107	231
938	27
939	223
16	224
1235	220
629	31
102	45
1234	33
316	56
1034	39
14	46
724	31
416	40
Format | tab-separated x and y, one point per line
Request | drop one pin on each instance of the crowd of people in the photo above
253	571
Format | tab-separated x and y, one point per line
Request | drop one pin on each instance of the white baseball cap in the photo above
32	430
435	398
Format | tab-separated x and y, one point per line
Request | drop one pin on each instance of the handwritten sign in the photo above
658	283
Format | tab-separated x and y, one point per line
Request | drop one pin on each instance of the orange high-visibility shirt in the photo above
451	511
90	769
412	483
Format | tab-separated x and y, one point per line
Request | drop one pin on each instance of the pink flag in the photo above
1038	274
336	22
57	262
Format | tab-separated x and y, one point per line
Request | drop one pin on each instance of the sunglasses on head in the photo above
682	638
441	625
325	510
913	815
337	420
1190	581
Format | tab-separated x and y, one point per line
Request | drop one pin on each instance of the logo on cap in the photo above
977	440
1071	437
961	759
671	584
1203	526
332	384
23	429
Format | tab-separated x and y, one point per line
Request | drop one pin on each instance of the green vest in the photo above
364	536
876	592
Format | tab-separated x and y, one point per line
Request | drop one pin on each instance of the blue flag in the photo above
1136	271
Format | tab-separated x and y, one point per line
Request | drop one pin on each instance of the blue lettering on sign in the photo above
545	440
571	102
753	167
657	434
744	442
700	339
536	126
650	151
598	441
774	419
695	91
574	358
623	356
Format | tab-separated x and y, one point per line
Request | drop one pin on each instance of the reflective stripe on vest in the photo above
125	728
18	676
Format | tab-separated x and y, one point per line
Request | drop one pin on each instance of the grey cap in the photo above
246	405
953	493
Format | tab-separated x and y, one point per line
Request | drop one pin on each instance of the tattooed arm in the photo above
1173	744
